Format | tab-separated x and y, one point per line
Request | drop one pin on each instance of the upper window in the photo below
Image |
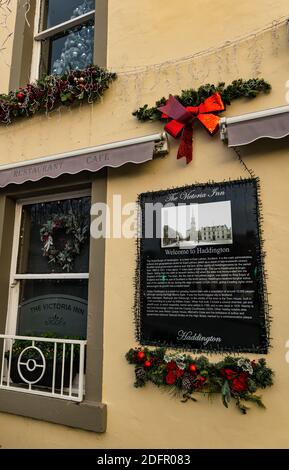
66	33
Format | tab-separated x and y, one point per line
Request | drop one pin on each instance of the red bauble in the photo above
147	364
141	355
193	368
20	96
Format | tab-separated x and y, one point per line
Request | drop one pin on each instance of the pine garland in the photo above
237	89
235	378
52	91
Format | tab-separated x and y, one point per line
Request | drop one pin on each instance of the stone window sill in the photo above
87	415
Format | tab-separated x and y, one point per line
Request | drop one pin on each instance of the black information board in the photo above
200	280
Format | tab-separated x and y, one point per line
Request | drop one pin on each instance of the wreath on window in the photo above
62	237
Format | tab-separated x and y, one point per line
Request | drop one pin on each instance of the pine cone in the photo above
140	373
186	383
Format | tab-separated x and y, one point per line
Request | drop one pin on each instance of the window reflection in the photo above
73	50
57	307
55	237
59	11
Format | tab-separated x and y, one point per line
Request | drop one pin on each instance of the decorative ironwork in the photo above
50	367
34	363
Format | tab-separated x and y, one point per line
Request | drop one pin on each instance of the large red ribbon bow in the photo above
183	118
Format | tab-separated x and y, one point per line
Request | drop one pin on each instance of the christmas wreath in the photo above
235	378
179	112
62	237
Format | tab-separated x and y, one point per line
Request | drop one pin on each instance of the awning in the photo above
242	130
91	159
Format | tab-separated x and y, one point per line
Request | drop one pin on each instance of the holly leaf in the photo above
187	396
226	393
65	97
243	408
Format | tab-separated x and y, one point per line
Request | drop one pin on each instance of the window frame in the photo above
16	278
91	413
47	34
26	54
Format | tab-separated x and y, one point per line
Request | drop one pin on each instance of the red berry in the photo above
193	368
140	355
20	96
147	364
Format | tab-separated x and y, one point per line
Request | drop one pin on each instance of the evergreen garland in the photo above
236	378
51	91
237	89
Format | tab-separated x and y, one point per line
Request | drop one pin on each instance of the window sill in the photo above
87	415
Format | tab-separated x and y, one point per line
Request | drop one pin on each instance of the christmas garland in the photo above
235	378
237	89
75	235
51	91
204	105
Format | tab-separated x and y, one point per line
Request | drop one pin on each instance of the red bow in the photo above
182	120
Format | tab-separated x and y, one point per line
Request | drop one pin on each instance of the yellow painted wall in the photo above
7	22
149	32
147	418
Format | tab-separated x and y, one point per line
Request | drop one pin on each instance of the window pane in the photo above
59	11
72	50
58	307
55	237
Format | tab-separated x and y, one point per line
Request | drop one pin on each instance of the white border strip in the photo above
259	114
87	150
61	27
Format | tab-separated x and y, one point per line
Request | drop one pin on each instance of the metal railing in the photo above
43	366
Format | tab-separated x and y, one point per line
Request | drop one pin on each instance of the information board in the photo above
200	279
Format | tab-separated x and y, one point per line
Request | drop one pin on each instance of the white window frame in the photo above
15	278
49	33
